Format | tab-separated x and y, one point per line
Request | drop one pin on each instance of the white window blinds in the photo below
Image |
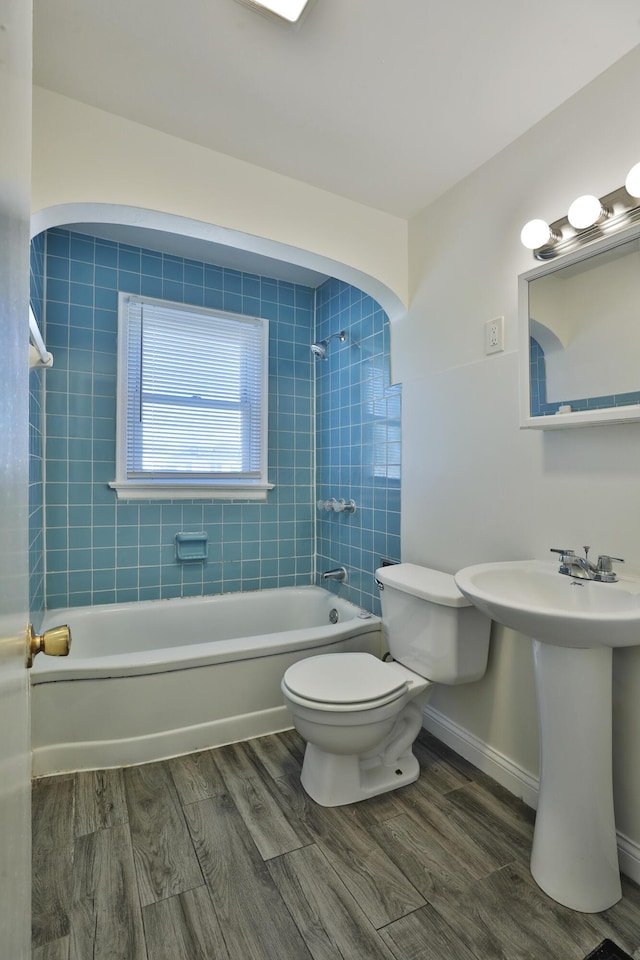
195	388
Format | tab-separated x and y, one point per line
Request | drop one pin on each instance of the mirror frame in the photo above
578	418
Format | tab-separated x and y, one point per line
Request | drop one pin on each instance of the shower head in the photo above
319	349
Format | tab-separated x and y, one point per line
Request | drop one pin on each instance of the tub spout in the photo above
339	574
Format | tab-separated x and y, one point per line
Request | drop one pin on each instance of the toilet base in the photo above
333	780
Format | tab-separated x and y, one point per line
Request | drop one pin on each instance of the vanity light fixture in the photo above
288	10
588	219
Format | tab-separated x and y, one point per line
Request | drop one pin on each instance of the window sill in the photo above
190	490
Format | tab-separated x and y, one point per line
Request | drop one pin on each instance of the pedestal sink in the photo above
574	625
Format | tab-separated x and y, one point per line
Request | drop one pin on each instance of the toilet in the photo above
360	715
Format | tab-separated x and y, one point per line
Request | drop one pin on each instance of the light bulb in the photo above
537	233
632	183
584	212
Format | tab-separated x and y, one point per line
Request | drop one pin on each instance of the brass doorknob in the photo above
55	642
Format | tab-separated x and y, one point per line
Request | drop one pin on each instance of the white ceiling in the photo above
387	102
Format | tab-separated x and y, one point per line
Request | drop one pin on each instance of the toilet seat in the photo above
344	682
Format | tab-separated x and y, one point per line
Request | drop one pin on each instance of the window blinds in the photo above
195	393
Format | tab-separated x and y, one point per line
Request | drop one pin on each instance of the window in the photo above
192	402
383	406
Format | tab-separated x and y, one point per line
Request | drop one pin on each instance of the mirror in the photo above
580	336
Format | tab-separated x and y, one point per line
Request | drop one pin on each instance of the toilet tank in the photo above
430	627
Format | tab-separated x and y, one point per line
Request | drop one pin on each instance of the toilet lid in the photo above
343	678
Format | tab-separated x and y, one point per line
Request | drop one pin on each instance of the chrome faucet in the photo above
582	568
339	574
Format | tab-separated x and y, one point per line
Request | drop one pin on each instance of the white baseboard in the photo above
497	765
629	857
511	776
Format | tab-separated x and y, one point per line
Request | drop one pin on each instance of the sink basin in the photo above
530	596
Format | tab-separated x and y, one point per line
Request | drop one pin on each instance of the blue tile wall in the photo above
36	445
538	388
358	441
100	550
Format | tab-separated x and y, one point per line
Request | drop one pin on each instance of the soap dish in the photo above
191	546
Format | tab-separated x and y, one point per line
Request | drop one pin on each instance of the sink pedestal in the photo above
574	858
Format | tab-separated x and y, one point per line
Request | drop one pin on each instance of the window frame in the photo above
183	488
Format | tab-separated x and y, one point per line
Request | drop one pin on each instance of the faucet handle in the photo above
605	571
604	562
565	559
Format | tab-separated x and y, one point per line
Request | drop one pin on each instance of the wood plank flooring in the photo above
221	856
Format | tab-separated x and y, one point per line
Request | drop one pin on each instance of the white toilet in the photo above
360	715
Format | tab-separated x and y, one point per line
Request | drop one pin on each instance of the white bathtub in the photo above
150	680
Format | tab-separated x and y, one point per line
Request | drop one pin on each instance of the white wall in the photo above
82	155
476	487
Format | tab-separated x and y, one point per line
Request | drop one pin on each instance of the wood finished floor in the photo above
221	856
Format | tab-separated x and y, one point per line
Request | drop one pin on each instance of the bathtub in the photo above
150	680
